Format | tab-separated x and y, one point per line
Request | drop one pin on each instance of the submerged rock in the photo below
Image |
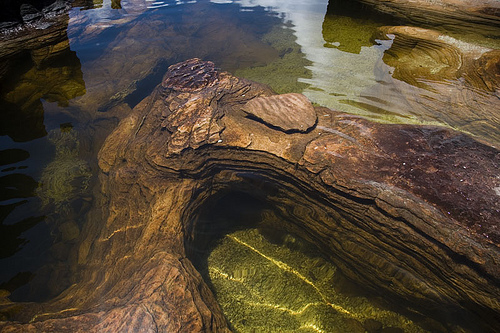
410	212
266	287
442	78
68	175
32	24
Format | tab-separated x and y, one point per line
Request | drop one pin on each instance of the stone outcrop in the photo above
411	212
32	24
437	77
481	17
288	112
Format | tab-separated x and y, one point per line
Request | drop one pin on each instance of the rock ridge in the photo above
408	211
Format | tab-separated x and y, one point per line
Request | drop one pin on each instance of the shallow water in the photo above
294	291
59	102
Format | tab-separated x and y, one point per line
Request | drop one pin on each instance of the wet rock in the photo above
352	325
392	330
32	24
409	212
51	72
191	75
477	16
439	77
69	231
288	112
29	13
420	55
20	17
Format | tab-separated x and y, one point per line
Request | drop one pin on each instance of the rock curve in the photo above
473	16
388	204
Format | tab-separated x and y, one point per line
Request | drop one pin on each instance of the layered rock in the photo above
482	17
288	112
435	77
32	24
411	212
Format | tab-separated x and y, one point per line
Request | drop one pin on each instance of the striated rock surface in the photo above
288	112
438	77
480	16
411	212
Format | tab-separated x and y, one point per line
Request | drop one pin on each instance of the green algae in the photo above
67	176
265	287
282	74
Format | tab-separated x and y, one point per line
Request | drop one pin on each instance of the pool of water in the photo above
61	99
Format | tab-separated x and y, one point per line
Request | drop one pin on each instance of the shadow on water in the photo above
46	71
18	221
223	214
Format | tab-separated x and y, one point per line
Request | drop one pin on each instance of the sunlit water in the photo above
60	102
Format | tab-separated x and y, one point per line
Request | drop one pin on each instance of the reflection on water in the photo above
61	96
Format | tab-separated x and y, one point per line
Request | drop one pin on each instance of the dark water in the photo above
60	99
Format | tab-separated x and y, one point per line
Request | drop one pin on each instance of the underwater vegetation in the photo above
65	182
267	287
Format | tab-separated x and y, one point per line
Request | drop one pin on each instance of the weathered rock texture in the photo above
482	16
437	77
411	212
288	112
32	24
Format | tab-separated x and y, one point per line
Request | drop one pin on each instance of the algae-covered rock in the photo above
69	231
348	34
263	287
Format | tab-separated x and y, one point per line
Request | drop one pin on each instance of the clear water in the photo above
61	101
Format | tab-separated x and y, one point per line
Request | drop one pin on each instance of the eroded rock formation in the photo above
482	17
32	24
438	77
408	211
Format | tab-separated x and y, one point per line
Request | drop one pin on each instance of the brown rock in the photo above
288	112
38	27
441	78
392	330
354	326
190	75
478	16
372	325
391	205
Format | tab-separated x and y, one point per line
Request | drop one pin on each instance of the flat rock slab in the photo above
288	112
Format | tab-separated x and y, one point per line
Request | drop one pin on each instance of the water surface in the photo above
60	101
